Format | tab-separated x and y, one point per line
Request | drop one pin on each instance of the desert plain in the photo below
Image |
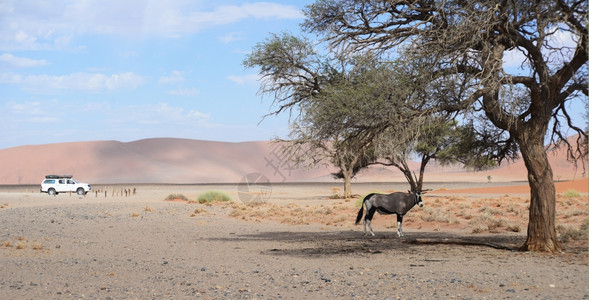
286	241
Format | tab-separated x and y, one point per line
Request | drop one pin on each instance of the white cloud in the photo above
184	92
245	79
162	114
9	61
175	113
513	58
193	114
85	82
562	47
175	77
31	112
35	25
231	37
271	10
11	78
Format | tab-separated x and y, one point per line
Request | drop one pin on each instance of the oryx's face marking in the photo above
418	199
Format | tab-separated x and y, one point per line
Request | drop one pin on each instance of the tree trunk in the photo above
347	187
347	174
541	226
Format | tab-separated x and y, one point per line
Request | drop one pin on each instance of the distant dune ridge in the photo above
174	160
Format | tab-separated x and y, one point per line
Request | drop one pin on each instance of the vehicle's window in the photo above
49	181
61	181
70	182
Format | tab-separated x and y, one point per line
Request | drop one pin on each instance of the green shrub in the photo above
213	196
572	194
360	200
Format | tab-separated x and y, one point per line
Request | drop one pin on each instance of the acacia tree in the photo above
467	41
411	129
313	86
309	145
326	118
440	138
352	112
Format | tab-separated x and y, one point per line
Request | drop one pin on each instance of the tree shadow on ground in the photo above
355	243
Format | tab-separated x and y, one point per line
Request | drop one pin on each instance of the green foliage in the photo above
289	68
214	196
572	194
359	202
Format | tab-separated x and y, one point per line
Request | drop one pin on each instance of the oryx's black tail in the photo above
361	211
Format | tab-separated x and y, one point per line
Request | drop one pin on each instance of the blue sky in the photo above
90	70
134	69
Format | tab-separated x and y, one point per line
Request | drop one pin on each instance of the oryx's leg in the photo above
365	221
400	225
370	210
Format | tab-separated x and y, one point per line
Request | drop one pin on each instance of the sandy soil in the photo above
297	244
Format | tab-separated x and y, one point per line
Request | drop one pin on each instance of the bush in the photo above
176	197
570	233
214	196
572	194
335	194
360	200
513	228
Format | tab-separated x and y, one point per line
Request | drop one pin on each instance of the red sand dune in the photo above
579	185
158	160
172	160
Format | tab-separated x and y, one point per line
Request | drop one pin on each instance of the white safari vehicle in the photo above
55	184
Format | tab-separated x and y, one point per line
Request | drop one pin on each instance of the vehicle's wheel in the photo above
51	192
80	191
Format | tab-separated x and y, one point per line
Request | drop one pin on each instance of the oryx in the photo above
386	204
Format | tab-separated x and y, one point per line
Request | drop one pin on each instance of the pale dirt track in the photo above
71	247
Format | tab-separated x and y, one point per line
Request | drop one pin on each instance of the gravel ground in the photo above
67	247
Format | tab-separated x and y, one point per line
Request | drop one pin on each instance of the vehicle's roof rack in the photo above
58	176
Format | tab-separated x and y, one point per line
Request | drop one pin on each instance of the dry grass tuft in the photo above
176	197
492	210
435	215
335	193
334	214
198	211
568	233
513	228
37	246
